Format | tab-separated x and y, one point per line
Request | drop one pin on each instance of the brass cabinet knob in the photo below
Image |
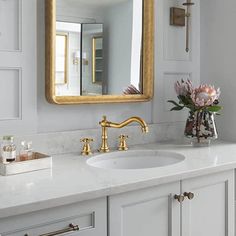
179	198
123	145
86	151
189	195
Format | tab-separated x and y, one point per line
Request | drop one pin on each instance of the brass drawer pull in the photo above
179	198
71	228
189	195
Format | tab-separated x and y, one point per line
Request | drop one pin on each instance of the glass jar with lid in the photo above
8	149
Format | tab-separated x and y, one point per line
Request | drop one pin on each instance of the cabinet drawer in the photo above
89	216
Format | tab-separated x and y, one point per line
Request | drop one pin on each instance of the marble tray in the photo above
39	161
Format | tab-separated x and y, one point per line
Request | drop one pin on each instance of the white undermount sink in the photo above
137	159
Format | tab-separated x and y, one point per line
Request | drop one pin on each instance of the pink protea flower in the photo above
205	95
183	88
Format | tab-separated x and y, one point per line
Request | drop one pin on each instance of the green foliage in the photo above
213	108
177	108
187	102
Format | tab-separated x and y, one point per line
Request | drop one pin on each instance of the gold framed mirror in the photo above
85	67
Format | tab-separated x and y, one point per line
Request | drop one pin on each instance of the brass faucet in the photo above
106	124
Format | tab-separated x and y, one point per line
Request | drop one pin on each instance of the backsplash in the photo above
69	142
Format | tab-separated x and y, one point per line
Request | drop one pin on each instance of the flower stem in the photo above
198	127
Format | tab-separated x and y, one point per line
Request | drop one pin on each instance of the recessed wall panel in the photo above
10	24
10	94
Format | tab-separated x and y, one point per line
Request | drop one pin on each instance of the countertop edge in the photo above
105	192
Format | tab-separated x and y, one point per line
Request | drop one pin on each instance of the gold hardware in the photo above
106	124
147	59
178	16
76	61
188	15
179	198
86	148
189	195
123	144
71	228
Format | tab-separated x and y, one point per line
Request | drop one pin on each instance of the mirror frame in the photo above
147	59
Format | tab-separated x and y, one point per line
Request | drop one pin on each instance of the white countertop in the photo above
72	180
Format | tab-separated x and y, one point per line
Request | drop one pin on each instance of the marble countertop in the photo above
72	180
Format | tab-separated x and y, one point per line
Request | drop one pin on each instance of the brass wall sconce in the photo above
76	58
178	16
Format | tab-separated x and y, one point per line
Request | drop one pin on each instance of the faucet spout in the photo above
138	120
106	124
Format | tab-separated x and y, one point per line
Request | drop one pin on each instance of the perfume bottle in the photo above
8	149
25	151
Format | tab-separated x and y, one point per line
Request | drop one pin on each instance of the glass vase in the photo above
201	128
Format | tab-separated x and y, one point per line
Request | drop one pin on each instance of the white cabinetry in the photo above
148	212
206	210
89	216
155	211
211	211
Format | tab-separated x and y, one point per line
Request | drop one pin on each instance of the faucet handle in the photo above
86	151
123	145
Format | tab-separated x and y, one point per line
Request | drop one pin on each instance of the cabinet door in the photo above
150	212
211	211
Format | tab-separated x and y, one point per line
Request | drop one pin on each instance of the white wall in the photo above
172	62
18	66
136	44
117	45
58	118
218	53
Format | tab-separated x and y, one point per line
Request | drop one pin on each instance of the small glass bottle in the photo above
30	150
8	149
23	151
26	151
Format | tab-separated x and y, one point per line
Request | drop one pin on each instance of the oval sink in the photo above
137	159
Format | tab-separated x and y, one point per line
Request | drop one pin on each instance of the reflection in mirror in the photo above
97	59
93	80
99	47
71	60
61	58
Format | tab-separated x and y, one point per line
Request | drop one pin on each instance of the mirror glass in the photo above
98	47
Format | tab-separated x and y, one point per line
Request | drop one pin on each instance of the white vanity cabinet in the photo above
211	211
89	216
155	211
207	209
149	212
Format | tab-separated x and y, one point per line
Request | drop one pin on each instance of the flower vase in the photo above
201	128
